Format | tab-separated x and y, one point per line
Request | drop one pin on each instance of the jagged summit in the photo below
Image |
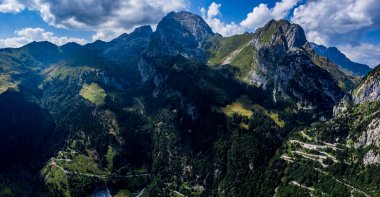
280	32
192	23
282	63
181	33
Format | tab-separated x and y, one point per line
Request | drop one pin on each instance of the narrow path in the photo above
306	136
53	163
287	158
302	186
176	192
318	158
330	156
347	185
315	146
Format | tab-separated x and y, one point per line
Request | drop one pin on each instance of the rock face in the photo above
369	88
371	158
341	60
289	67
371	136
181	33
343	106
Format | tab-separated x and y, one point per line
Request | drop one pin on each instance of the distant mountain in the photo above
125	48
341	60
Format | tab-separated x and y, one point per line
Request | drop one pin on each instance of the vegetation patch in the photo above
243	107
226	46
82	164
63	72
56	179
6	82
93	93
245	61
110	157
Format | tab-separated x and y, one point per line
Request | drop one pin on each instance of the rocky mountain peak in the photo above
285	62
281	32
181	33
192	23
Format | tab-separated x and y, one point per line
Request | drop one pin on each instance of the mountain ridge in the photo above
340	59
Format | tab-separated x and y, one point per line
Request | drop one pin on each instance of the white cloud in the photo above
11	6
364	53
108	18
213	10
27	35
261	14
211	16
339	21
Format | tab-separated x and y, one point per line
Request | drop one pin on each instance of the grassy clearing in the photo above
243	106
93	93
277	120
273	115
7	82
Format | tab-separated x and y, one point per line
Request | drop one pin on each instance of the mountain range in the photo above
341	60
184	111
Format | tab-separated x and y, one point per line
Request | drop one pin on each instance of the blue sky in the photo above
351	25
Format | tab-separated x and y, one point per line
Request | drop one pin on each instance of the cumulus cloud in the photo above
11	6
365	53
108	18
340	21
27	35
211	16
261	14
